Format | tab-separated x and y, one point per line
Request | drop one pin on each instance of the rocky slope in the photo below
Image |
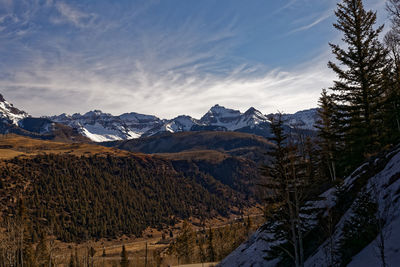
304	119
100	127
14	120
379	177
9	114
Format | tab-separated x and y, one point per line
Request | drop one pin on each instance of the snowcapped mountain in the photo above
9	114
100	127
13	120
304	119
232	119
221	116
180	124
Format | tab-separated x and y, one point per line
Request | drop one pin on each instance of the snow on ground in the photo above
7	111
251	253
369	255
99	136
386	182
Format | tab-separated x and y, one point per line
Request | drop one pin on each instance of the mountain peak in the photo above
95	112
252	110
9	113
217	108
223	111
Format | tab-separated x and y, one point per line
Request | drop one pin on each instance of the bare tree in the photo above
329	249
384	216
9	243
287	177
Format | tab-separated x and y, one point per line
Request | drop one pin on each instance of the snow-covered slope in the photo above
385	187
100	126
368	256
304	119
15	121
232	119
10	114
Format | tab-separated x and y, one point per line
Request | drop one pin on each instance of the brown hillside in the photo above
13	145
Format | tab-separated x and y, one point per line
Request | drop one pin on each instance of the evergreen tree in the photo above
184	244
71	261
124	257
286	180
358	93
210	246
328	137
360	228
392	75
248	224
76	258
202	251
42	252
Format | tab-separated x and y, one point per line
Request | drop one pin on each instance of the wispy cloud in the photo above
142	64
169	92
289	4
317	20
73	15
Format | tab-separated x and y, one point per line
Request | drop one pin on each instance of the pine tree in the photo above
358	93
248	225
124	257
392	74
42	251
184	243
360	228
328	136
286	179
210	246
71	261
76	258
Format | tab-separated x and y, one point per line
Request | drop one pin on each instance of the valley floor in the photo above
136	247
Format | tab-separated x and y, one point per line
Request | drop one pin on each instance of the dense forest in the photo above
81	198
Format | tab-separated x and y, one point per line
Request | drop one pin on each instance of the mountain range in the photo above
101	127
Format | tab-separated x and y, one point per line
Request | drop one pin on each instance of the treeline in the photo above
83	198
210	245
359	118
237	173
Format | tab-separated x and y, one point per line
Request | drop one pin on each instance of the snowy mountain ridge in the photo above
100	126
10	114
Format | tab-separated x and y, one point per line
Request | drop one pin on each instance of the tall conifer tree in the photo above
329	138
392	75
358	92
124	257
286	180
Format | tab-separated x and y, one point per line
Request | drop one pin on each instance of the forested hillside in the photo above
232	143
107	195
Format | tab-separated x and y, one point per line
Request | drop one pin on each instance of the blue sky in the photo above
166	57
